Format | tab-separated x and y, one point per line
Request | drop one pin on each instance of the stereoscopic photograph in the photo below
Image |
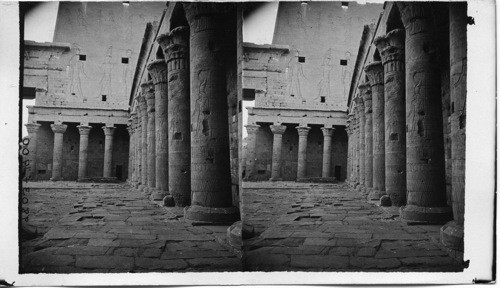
256	137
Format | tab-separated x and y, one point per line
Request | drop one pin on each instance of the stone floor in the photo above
330	227
86	227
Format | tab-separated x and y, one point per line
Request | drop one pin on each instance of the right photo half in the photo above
353	138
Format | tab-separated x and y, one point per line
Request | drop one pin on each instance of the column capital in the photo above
176	51
375	73
303	130
59	128
146	87
84	129
327	131
108	130
141	105
381	42
396	38
158	71
32	127
364	88
393	54
252	128
277	129
197	10
416	16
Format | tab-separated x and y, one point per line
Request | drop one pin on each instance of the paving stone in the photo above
429	261
103	242
151	252
48	257
115	262
82	250
319	261
160	264
368	262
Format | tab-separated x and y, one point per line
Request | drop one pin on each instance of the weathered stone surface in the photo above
358	235
86	244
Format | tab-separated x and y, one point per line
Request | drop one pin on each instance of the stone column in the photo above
151	136
452	233
158	71
302	151
355	148
211	198
349	135
375	73
366	94
360	107
130	130
32	146
108	150
84	131
175	45
143	137
426	187
58	129
278	131
327	151
391	47
250	157
137	145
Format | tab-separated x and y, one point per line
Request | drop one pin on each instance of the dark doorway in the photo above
119	172
337	172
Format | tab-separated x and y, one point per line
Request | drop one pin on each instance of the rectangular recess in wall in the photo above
125	60
345	5
343	62
29	93
302	59
103	98
82	57
322	99
248	94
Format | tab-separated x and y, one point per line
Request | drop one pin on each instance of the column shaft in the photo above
250	152
426	190
159	74
278	131
144	138
179	136
59	130
302	152
361	141
83	153
453	232
108	151
327	152
367	99
151	136
391	47
375	73
32	147
211	198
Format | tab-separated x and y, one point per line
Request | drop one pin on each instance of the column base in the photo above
211	215
452	236
233	234
55	179
275	179
375	194
430	215
158	195
385	201
168	201
360	188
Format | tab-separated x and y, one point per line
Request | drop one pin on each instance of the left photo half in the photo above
129	141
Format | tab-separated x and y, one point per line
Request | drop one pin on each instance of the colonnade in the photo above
400	108
57	154
179	125
278	130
